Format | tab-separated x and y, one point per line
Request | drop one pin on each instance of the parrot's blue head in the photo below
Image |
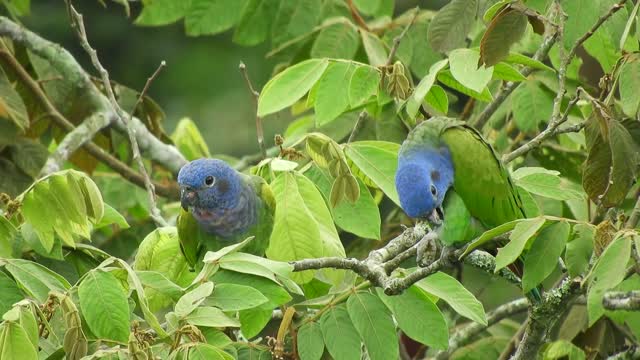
209	184
422	181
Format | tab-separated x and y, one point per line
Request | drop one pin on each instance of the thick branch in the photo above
464	335
632	353
620	300
60	59
123	116
169	191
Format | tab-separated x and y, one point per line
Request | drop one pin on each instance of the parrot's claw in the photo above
427	250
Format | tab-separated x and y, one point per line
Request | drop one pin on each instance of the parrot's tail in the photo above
517	268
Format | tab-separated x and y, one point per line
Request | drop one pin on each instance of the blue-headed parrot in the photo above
445	163
220	207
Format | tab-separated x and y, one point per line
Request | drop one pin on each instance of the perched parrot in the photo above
446	163
221	206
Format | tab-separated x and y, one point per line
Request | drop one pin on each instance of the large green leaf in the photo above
361	218
189	141
232	297
303	225
504	30
543	256
455	294
343	33
15	342
7	234
628	85
450	26
563	349
332	96
447	79
543	182
35	279
607	273
162	12
11	105
521	234
340	336
289	86
104	305
418	317
422	89
437	98
532	105
374	48
464	68
10	293
208	17
192	299
276	271
377	161
373	322
202	351
490	235
255	23
211	317
579	249
363	85
294	18
310	343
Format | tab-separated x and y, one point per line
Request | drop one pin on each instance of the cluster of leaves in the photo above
337	80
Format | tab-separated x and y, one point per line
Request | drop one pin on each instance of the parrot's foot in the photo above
428	249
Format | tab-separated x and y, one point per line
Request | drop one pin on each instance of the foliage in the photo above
355	76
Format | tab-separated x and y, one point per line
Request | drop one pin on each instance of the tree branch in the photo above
69	69
168	191
464	335
256	96
630	354
556	118
398	39
635	215
124	117
621	300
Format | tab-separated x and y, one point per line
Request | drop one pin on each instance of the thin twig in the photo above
635	215
398	39
256	96
78	23
355	14
362	117
96	151
143	93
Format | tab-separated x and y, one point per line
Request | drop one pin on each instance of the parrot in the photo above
450	176
220	207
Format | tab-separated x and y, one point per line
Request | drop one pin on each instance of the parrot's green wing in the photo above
479	176
458	225
195	242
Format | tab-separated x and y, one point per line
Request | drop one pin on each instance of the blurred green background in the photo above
201	80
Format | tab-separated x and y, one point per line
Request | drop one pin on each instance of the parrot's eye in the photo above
434	191
209	181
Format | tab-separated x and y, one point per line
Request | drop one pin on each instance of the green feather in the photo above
194	242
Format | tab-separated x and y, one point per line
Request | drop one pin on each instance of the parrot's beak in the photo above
187	198
437	216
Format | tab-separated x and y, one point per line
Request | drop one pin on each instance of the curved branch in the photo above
621	300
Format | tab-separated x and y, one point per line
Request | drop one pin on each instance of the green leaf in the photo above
490	234
505	29
28	155
289	86
10	293
579	249
162	12
628	85
7	234
607	273
211	317
332	96
202	351
255	23
377	161
515	58
580	18
11	105
160	252
437	98
343	33
214	256
504	71
563	349
104	305
276	294
295	18
252	321
310	344
368	7
191	300
232	297
491	12
374	47
112	216
543	256
277	271
521	234
418	317
208	17
532	105
450	26
447	79
158	282
303	227
543	182
485	348
340	336
417	97
363	85
15	342
455	294
361	218
374	324
464	68
35	279
187	138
